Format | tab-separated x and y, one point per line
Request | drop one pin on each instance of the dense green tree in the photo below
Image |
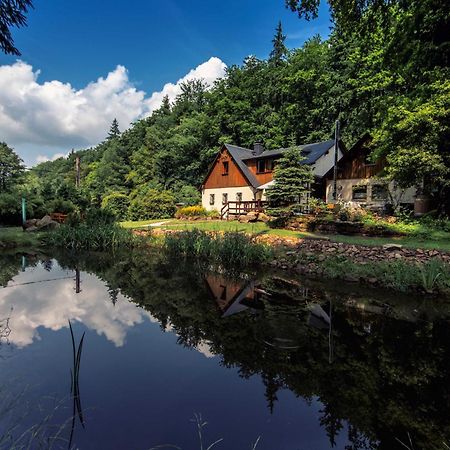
11	167
114	131
279	50
292	178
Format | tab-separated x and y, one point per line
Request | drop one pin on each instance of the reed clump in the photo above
92	237
229	249
432	276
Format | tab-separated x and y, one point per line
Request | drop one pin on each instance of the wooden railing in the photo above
239	208
58	217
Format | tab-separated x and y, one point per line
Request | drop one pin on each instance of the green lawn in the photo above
142	223
437	240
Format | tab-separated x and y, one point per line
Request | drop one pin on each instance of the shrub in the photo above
99	217
117	203
191	211
187	195
232	250
61	206
152	204
214	214
89	237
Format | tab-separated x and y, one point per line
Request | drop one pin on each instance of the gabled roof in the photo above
312	153
239	154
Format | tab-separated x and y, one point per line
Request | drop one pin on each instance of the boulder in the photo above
244	218
31	229
391	247
29	223
263	217
252	216
46	223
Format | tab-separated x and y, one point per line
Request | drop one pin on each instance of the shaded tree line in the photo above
384	69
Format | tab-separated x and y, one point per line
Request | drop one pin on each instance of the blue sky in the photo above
155	42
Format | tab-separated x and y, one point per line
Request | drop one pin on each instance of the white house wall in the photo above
246	191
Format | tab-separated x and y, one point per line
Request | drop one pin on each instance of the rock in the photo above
263	217
31	229
390	247
44	221
244	219
29	223
372	280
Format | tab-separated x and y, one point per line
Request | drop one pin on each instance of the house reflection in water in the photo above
274	309
234	296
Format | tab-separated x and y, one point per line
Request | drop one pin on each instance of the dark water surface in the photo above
265	359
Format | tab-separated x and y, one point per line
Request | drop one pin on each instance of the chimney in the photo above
258	148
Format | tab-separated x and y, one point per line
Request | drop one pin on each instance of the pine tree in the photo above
291	178
114	131
279	50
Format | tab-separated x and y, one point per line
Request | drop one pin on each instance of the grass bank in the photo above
231	250
428	240
15	237
431	277
92	237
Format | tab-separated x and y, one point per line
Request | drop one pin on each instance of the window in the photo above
224	199
379	192
260	166
270	165
225	168
239	196
359	192
211	199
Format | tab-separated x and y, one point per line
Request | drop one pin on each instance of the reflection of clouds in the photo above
51	304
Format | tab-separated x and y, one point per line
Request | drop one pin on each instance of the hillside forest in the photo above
384	69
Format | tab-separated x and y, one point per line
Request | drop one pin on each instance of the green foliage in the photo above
398	275
230	249
291	177
89	237
117	203
279	50
191	211
187	195
11	167
99	217
151	204
12	14
384	69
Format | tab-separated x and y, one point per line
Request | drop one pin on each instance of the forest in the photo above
384	69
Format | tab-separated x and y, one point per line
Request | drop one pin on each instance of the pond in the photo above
171	354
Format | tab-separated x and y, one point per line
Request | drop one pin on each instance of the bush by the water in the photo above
117	203
152	204
231	249
88	237
97	230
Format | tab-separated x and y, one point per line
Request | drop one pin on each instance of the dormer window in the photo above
225	167
261	166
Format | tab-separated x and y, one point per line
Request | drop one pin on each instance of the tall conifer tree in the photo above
114	131
279	50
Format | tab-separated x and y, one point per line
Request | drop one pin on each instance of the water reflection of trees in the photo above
389	370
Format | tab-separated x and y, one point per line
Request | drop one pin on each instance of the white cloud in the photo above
43	158
209	71
41	119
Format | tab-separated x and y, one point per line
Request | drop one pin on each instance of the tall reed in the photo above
230	249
